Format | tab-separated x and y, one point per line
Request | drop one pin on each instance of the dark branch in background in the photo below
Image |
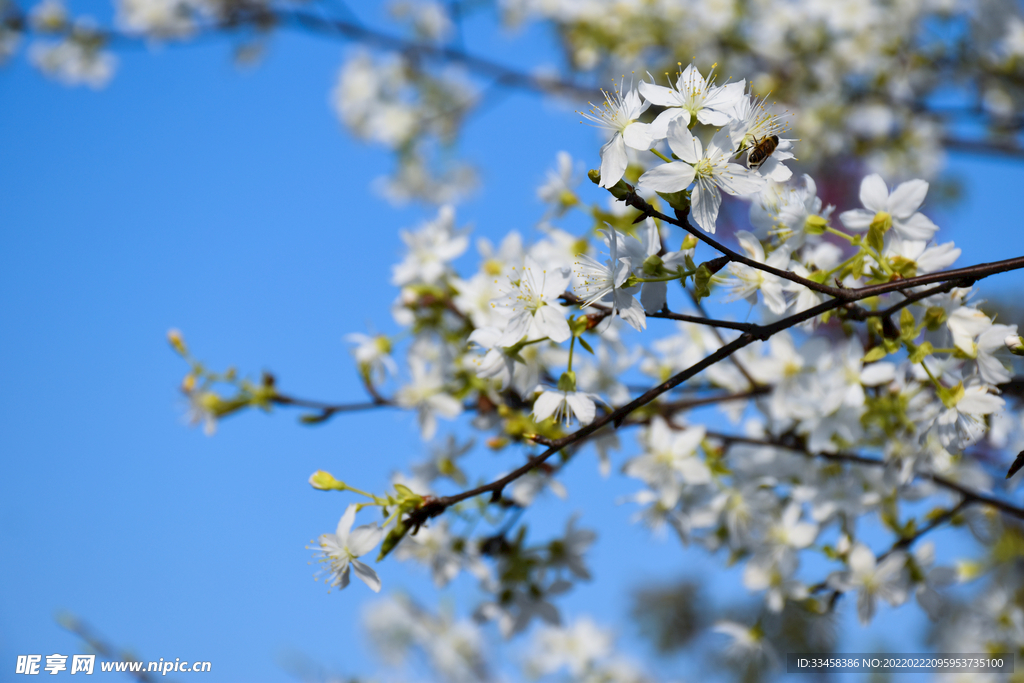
102	648
721	340
263	19
903	543
328	410
969	495
604	311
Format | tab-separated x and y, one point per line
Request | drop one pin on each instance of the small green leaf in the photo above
877	353
919	353
906	318
392	539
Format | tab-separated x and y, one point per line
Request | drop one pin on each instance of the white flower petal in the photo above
367	574
613	161
683	143
907	198
546	404
874	194
363	539
706	201
672	177
857	219
638	135
551	322
345	524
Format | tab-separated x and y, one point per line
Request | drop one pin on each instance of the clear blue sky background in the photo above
231	205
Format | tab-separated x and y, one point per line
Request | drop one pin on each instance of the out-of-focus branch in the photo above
969	495
102	648
329	410
262	18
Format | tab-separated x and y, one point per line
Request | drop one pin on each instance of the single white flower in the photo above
963	421
746	280
565	405
619	115
498	363
432	546
558	189
339	551
898	209
670	456
751	124
603	282
431	248
690	96
373	354
873	579
576	647
532	304
747	643
710	169
926	259
426	392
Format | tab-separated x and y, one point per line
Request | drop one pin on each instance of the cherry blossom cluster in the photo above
842	418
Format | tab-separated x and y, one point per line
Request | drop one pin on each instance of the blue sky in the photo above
230	204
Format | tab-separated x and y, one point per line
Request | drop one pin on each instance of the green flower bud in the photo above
325	481
815	225
653	265
567	382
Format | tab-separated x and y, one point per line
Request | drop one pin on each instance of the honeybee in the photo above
761	150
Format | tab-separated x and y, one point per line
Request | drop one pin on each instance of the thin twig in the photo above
967	493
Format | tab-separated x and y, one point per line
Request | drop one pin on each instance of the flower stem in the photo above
661	156
838	233
938	385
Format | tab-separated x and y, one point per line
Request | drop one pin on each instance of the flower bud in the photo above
815	225
325	481
1015	343
619	190
177	341
881	222
567	382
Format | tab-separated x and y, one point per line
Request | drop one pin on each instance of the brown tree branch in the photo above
438	505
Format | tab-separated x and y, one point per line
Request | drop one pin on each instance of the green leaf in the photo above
919	353
585	345
906	318
877	353
392	539
875	239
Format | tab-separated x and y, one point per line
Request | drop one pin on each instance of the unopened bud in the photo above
1015	343
175	339
325	481
619	190
653	265
881	222
815	225
567	382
